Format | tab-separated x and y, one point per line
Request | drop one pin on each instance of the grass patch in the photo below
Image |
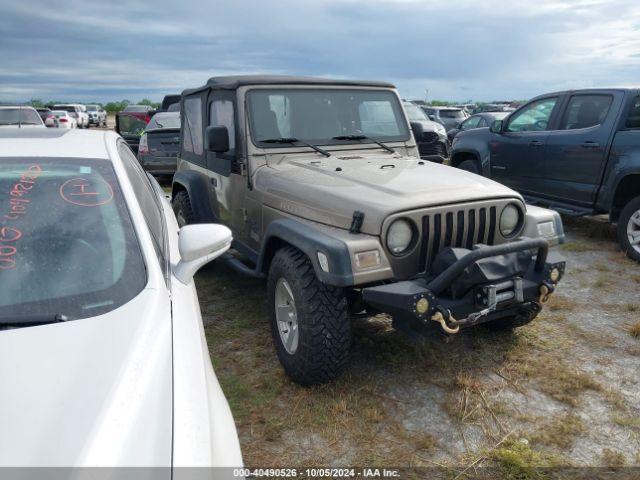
556	378
634	329
577	246
560	432
516	459
611	458
626	422
559	303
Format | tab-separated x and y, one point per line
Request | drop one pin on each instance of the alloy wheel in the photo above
286	316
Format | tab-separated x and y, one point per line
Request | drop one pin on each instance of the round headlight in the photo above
509	220
399	236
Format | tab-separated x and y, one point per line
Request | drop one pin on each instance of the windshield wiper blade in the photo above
364	137
35	319
296	140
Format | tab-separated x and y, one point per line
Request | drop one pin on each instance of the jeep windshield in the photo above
325	116
67	244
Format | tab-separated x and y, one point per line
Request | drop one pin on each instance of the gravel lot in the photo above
562	391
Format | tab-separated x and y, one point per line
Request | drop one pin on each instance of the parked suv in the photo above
577	152
97	115
321	183
449	117
430	136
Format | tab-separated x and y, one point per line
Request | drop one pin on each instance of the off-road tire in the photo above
182	206
470	166
323	324
512	322
625	215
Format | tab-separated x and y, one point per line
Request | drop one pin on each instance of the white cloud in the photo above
458	50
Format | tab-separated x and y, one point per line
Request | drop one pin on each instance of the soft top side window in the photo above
192	134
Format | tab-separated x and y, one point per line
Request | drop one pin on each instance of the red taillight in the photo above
143	146
147	119
63	120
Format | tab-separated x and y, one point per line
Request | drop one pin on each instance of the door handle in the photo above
535	143
590	145
498	167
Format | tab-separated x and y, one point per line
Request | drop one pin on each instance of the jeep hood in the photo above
89	392
329	190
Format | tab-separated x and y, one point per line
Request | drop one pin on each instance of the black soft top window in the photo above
67	242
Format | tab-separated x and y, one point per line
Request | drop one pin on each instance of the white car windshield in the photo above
19	116
318	116
67	243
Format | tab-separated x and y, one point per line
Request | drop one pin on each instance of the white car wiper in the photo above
364	137
30	320
295	140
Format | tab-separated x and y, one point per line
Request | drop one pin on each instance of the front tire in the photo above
470	166
182	209
309	322
629	229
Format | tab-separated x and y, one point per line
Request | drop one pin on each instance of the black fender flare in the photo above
197	187
310	241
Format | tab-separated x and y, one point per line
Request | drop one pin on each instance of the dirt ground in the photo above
561	391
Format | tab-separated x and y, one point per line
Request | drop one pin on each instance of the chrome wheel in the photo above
633	231
286	316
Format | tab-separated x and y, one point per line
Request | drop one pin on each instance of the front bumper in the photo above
469	287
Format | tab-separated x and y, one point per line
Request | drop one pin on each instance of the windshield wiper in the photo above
364	137
295	140
28	320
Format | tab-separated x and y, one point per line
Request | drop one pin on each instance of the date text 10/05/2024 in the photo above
317	472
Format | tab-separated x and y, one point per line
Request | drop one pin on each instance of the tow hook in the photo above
545	292
441	316
450	325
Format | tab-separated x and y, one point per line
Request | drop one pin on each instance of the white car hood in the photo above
90	392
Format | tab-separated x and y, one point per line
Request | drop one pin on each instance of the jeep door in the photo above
517	153
577	150
226	178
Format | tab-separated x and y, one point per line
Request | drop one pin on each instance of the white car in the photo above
97	115
19	116
103	357
77	111
60	119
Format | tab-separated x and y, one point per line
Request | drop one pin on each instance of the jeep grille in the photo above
456	228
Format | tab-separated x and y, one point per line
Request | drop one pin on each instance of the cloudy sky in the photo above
91	50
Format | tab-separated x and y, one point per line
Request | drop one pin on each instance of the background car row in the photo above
77	116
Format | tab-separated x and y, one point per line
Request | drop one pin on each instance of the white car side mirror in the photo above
198	245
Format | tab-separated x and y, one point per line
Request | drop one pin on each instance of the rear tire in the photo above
182	209
470	166
629	229
312	315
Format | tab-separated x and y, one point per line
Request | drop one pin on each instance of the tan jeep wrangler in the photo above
321	182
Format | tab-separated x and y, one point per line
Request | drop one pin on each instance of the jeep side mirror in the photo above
417	129
216	139
198	245
496	126
432	117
